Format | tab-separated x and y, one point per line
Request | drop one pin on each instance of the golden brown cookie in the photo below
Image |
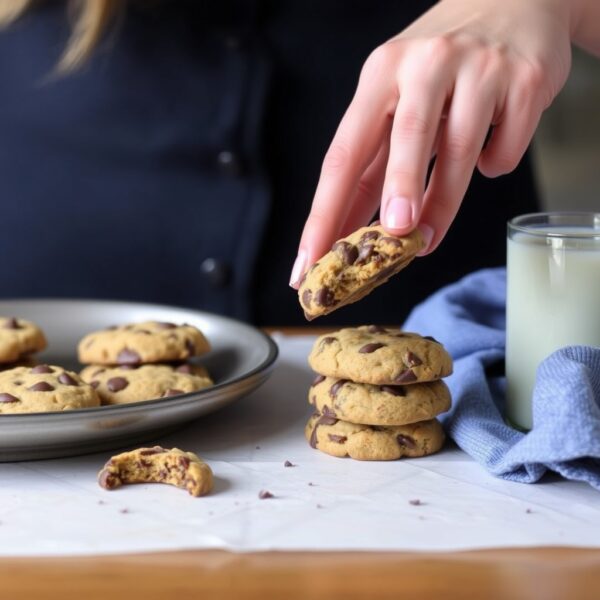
381	356
128	383
369	442
18	339
138	343
355	265
158	465
378	404
44	388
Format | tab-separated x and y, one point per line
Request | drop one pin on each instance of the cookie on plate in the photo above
378	404
158	465
369	442
19	338
138	343
355	265
44	388
381	356
129	383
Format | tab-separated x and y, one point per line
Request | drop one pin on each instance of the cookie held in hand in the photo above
355	265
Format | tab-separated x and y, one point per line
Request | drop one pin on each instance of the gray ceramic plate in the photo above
240	360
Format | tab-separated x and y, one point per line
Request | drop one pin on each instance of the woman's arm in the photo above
435	89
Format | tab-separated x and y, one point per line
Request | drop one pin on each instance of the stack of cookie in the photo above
377	393
143	361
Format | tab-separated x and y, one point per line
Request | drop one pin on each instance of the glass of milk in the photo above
553	297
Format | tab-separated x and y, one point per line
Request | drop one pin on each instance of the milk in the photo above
553	300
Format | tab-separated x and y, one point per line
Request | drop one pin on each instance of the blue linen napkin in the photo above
468	317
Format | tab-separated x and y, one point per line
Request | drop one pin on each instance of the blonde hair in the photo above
89	18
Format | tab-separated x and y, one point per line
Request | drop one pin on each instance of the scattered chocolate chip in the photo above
405	440
406	376
189	345
376	329
165	325
42	369
395	390
339	439
324	297
12	323
430	338
317	380
392	241
348	252
369	236
306	297
41	386
335	388
416	502
128	357
265	494
369	348
172	392
287	463
412	360
66	379
95	383
116	384
7	398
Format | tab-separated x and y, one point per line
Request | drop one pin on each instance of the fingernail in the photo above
298	268
427	233
398	213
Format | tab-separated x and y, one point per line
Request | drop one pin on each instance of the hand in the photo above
434	90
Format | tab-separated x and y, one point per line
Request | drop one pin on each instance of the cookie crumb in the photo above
416	502
265	494
287	463
258	447
101	502
311	484
320	506
528	511
124	511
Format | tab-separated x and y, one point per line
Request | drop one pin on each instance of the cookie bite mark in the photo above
175	467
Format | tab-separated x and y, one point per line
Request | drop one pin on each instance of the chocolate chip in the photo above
306	297
365	253
317	380
347	252
66	379
287	463
392	241
165	325
407	376
155	450
116	384
369	348
41	386
172	392
339	439
395	390
328	340
190	347
265	494
412	360
128	357
185	368
95	383
376	329
369	235
42	369
430	338
335	388
7	398
322	420
324	297
406	440
184	462
12	323
328	412
108	480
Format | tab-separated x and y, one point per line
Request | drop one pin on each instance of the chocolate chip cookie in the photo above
137	343
44	388
355	265
129	383
365	442
158	465
19	338
373	354
378	404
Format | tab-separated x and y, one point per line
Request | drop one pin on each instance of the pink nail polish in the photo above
398	213
298	268
427	233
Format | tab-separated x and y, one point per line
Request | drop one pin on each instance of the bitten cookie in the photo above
364	442
44	388
378	404
18	338
124	384
355	265
137	343
373	354
158	465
